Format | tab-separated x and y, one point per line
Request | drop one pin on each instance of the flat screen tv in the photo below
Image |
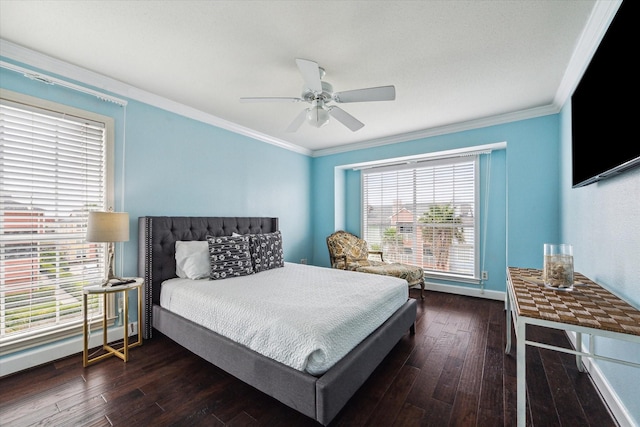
602	123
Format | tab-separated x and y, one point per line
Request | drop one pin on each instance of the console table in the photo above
587	309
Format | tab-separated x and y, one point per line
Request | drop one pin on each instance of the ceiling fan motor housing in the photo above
326	95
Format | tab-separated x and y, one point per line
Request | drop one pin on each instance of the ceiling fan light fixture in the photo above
318	116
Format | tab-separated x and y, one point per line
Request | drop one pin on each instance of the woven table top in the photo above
588	304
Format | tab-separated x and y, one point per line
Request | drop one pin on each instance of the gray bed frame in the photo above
319	397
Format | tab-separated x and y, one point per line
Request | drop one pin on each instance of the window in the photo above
53	170
424	214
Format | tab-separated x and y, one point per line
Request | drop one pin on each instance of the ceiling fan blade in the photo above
295	124
382	93
310	73
271	99
345	118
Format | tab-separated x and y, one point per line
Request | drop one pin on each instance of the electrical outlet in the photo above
303	261
133	328
485	275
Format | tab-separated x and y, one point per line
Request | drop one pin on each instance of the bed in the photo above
320	396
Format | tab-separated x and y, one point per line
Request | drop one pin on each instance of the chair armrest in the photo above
377	253
349	262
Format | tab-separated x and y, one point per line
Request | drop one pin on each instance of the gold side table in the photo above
123	352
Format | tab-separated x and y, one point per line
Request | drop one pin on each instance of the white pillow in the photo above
192	259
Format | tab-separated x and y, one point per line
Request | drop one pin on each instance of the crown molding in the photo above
443	130
601	16
51	65
599	20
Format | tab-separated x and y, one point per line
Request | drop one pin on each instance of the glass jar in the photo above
557	270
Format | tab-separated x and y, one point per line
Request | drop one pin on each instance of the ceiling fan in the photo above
320	95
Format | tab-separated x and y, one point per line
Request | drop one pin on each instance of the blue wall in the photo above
523	191
602	221
179	166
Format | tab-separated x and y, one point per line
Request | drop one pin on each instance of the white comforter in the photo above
303	316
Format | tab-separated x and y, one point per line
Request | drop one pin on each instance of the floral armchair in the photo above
349	252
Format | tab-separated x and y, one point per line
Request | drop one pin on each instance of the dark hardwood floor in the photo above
452	372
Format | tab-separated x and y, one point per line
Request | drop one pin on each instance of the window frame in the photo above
31	339
433	161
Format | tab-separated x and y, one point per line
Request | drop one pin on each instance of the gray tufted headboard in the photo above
157	236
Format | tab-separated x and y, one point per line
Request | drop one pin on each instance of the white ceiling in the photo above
452	62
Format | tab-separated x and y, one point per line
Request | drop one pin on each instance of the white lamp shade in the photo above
108	227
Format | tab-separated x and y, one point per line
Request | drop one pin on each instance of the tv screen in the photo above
602	104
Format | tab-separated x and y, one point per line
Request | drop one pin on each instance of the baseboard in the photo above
47	353
463	290
610	397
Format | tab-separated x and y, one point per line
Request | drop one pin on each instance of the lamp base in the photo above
112	280
111	277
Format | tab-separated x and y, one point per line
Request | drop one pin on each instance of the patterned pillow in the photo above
229	257
266	251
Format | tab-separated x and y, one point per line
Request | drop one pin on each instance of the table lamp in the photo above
109	227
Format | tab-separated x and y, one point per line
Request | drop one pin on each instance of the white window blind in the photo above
52	172
424	214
